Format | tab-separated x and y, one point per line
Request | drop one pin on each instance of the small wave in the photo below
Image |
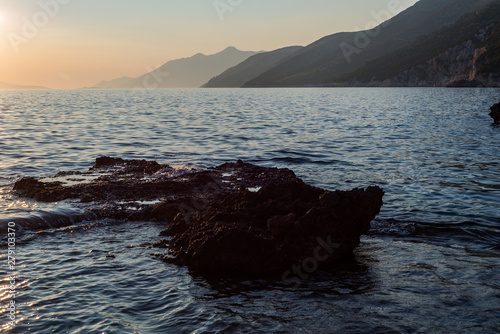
300	160
292	160
392	227
43	220
299	157
468	232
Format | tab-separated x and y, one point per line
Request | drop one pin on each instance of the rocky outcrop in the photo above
272	229
236	218
495	113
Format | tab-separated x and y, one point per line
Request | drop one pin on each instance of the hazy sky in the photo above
77	43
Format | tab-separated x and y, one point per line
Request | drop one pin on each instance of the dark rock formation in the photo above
495	113
234	218
272	229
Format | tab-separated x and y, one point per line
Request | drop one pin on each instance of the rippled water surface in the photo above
431	262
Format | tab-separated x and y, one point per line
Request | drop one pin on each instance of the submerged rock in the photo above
495	113
236	218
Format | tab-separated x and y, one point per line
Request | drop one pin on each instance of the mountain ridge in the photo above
466	53
189	72
405	50
250	68
315	64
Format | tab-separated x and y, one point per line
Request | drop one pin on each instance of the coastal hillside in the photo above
337	55
466	53
238	75
183	73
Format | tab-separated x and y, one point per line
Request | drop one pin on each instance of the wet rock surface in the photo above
236	218
495	113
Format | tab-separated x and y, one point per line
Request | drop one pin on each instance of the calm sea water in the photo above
431	262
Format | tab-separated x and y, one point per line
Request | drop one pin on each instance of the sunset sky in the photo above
77	43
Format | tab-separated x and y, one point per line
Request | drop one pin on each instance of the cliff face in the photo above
463	54
458	66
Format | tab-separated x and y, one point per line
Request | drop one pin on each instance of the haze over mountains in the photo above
4	85
432	43
183	73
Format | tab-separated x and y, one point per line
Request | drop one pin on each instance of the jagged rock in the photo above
236	218
495	113
272	229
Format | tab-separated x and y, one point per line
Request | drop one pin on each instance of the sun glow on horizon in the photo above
65	44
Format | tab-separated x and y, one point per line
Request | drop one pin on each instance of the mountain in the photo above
332	57
125	82
238	75
183	73
4	85
466	53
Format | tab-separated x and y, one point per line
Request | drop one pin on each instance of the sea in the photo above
429	264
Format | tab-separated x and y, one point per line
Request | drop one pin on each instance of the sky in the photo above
69	44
